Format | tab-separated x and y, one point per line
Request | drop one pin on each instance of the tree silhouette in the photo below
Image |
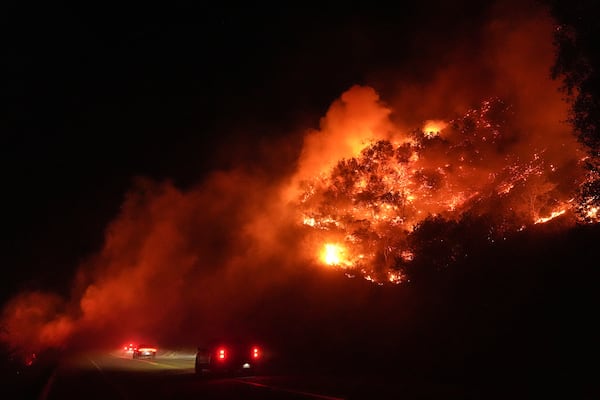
577	63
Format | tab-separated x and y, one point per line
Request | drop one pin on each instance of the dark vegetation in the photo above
520	312
23	376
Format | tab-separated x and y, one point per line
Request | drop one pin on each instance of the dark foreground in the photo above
111	375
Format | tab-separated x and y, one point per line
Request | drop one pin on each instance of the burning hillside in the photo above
366	207
486	143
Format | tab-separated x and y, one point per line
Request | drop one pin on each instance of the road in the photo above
114	375
111	375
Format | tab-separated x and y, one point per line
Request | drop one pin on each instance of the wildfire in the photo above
379	198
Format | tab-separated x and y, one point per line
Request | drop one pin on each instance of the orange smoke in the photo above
170	258
351	122
35	320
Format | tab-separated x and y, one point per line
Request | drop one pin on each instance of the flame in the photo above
553	215
332	254
377	199
432	128
396	277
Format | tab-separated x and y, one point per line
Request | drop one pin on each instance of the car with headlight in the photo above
229	358
144	351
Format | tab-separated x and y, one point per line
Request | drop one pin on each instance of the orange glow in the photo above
376	200
332	254
592	213
407	255
551	217
433	128
396	277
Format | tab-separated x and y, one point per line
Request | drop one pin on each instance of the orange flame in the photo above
433	128
376	199
332	254
553	215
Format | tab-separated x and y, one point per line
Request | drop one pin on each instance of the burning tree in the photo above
399	202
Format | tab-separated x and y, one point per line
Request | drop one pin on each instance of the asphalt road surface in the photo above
114	375
170	375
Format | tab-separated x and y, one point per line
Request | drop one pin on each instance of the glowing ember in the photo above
407	255
396	277
589	197
592	213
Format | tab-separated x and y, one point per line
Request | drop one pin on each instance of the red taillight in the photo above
221	354
255	352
